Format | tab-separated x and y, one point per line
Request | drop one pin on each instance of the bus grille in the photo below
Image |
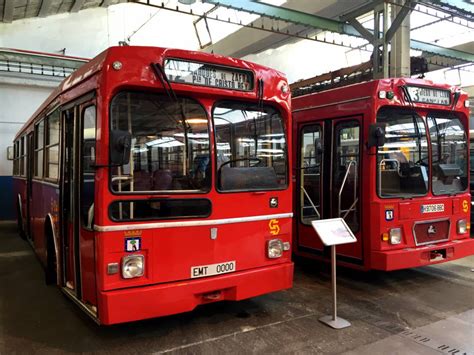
431	232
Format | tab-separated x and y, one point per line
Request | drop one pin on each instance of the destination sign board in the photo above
429	95
204	74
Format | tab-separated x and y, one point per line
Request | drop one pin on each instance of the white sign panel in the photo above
429	95
333	231
186	72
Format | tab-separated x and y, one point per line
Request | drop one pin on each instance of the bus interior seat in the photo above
162	179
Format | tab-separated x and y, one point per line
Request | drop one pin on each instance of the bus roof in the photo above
143	55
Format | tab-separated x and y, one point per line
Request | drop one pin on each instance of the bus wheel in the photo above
50	275
19	222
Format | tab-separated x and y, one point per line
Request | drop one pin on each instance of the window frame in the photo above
433	115
37	149
159	192
286	129
428	143
48	146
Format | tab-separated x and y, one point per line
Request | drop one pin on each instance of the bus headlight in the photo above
274	248
462	226
395	235
133	266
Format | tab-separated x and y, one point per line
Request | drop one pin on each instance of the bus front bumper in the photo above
177	297
422	256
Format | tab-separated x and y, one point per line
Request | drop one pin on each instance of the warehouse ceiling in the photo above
12	10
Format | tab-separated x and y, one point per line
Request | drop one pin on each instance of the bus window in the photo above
402	162
39	144
170	143
52	146
346	164
22	156
87	164
449	152
311	168
251	147
16	166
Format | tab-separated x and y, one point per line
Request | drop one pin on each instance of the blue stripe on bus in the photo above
7	211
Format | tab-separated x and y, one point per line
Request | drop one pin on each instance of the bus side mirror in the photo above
10	153
376	135
120	145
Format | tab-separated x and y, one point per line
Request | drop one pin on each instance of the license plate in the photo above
438	207
212	269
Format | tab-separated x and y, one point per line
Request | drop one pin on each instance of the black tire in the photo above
19	223
50	275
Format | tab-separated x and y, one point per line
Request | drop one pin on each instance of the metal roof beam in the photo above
77	5
302	18
8	11
406	9
105	3
45	7
369	7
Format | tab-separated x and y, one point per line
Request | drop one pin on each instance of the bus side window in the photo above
51	149
88	138
39	145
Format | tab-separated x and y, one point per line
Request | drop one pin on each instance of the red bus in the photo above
391	158
154	180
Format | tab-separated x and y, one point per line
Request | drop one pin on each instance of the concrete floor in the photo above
427	310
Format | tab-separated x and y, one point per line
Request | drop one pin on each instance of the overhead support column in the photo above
397	36
400	44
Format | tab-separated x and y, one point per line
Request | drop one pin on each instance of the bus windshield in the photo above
170	143
449	153
402	162
251	147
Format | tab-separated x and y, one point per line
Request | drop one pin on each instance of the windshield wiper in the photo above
161	75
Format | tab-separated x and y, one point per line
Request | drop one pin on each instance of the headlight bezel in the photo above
140	261
275	248
395	236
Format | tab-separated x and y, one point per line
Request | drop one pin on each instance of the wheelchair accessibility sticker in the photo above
133	244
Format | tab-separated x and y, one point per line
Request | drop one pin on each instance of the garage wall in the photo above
89	32
19	99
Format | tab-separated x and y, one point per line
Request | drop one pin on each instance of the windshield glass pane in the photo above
402	162
251	147
168	153
449	153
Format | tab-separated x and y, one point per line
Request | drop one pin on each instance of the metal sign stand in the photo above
334	232
333	321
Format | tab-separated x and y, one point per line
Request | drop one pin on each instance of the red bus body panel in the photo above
361	101
170	252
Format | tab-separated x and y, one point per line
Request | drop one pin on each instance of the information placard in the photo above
333	231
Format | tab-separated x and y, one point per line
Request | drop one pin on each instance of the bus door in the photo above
29	184
69	197
78	191
329	181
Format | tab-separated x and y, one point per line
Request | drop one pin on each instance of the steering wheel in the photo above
242	159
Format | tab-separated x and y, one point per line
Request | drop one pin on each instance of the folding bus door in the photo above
329	181
78	192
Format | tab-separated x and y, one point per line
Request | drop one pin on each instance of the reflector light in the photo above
385	237
466	103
